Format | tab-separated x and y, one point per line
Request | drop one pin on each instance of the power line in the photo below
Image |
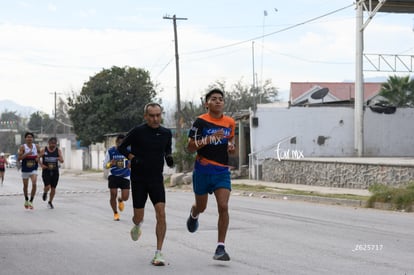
226	53
164	68
272	33
311	60
63	123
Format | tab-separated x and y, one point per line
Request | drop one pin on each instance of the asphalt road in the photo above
266	236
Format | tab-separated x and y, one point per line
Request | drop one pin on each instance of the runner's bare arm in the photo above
60	156
21	153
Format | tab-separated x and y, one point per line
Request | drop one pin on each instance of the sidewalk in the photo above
302	187
314	194
81	173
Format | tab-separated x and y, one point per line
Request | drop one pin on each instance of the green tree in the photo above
111	101
398	91
40	122
62	117
242	96
190	111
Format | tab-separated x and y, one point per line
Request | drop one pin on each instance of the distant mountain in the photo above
11	106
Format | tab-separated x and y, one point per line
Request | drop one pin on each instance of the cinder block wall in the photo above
335	174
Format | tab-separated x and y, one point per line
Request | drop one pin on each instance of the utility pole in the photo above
54	123
177	69
254	82
55	119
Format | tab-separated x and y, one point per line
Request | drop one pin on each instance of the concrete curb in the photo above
306	198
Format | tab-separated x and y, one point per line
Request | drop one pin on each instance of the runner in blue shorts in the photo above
211	136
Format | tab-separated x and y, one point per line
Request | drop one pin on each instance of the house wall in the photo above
297	132
389	134
97	152
311	132
74	158
77	159
65	146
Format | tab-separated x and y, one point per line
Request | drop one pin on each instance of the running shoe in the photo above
192	224
135	232
121	205
116	217
221	254
30	205
44	197
158	259
50	205
26	204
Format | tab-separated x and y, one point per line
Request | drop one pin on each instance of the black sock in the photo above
26	198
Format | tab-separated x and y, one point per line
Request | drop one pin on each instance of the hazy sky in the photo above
48	46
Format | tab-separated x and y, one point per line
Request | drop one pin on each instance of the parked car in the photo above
12	161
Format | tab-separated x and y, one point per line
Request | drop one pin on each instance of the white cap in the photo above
1	154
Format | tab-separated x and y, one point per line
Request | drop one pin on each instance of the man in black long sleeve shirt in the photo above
150	144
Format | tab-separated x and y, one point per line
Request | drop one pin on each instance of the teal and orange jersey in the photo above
212	157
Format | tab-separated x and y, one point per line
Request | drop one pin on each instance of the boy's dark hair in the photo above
214	91
53	139
28	134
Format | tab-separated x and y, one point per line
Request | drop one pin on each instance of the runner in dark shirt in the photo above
50	156
150	144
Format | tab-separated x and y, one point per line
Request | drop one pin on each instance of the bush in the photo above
184	160
400	198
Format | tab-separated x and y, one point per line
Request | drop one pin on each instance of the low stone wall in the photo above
335	174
